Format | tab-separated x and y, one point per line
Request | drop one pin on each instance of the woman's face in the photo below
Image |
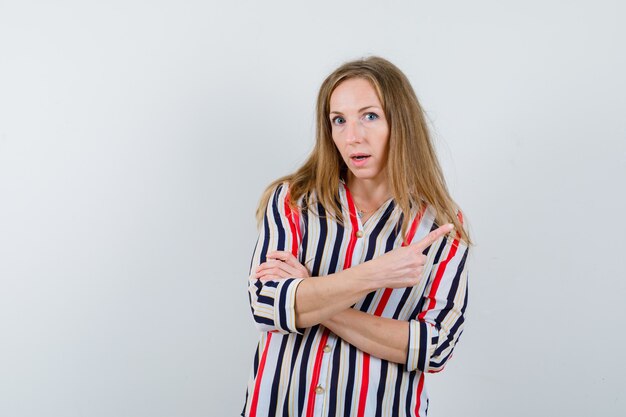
359	128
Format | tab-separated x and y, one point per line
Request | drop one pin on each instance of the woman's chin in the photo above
363	174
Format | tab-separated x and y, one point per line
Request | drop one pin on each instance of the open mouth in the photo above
359	159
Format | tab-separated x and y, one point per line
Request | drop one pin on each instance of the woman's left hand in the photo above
281	265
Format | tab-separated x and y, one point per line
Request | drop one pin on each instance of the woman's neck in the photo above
368	194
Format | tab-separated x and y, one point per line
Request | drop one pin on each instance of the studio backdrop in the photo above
136	138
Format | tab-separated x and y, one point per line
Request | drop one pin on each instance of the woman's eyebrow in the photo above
360	110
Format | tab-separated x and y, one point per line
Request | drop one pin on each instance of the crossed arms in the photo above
284	298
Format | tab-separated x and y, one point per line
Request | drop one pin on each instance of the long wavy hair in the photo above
413	171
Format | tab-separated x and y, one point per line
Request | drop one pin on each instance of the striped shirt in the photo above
310	372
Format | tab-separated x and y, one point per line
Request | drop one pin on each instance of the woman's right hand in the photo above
403	267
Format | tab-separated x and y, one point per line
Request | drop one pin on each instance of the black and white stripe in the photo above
392	388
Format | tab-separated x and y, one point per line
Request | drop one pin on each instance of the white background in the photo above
136	137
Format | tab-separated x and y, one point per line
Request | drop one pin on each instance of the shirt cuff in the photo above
285	306
418	355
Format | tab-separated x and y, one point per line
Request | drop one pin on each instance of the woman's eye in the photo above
338	120
371	116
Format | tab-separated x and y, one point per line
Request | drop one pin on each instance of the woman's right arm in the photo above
272	301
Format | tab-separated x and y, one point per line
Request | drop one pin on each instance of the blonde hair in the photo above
413	171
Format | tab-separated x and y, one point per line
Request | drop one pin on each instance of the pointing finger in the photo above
432	237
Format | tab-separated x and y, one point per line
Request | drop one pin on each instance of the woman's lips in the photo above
359	160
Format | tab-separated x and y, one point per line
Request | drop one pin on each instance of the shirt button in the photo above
319	389
327	348
359	233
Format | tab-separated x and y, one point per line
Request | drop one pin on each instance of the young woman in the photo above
355	287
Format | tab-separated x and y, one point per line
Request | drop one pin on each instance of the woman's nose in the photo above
354	131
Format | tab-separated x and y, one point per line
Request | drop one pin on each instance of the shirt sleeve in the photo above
273	302
440	322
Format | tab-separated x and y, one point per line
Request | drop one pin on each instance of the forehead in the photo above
354	93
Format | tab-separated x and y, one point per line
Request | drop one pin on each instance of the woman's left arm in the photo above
427	340
435	330
381	337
